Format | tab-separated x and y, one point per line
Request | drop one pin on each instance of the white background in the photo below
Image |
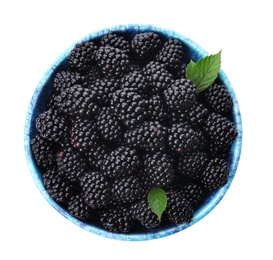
33	35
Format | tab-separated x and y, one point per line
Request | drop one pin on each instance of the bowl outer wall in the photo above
37	105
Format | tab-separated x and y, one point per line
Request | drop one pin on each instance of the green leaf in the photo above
157	200
203	73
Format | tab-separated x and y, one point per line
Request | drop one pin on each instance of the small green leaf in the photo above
157	200
203	73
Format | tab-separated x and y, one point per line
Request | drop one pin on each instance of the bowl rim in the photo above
203	210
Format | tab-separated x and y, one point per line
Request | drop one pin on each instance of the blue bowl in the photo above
38	105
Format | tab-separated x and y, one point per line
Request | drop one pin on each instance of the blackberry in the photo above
96	189
83	134
143	213
82	56
191	165
193	192
116	41
127	190
66	79
157	77
180	95
221	152
104	89
156	110
136	81
158	169
112	62
43	151
171	55
197	115
218	99
77	207
128	106
108	126
57	187
70	164
215	174
182	139
179	209
148	136
220	130
145	45
53	126
121	162
79	101
117	219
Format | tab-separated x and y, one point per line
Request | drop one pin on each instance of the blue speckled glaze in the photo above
44	89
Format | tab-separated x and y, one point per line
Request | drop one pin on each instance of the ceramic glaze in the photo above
38	105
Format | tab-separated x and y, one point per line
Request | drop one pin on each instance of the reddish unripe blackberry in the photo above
179	210
128	107
96	189
158	169
180	95
117	219
112	62
127	190
143	213
148	136
79	101
218	99
58	187
82	56
215	174
44	151
145	45
171	55
53	126
121	162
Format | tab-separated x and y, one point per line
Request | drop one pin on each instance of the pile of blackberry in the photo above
123	118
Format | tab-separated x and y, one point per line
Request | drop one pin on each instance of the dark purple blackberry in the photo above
180	95
121	162
53	126
145	45
220	130
176	116
215	174
182	139
70	164
44	151
127	190
66	79
149	136
78	208
215	151
158	169
82	56
83	134
197	115
182	70
117	219
156	110
116	41
157	77
179	210
136	81
96	189
128	107
112	62
191	165
57	187
171	55
79	101
218	99
104	89
193	192
108	126
143	213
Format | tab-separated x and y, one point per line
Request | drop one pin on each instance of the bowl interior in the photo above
44	90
